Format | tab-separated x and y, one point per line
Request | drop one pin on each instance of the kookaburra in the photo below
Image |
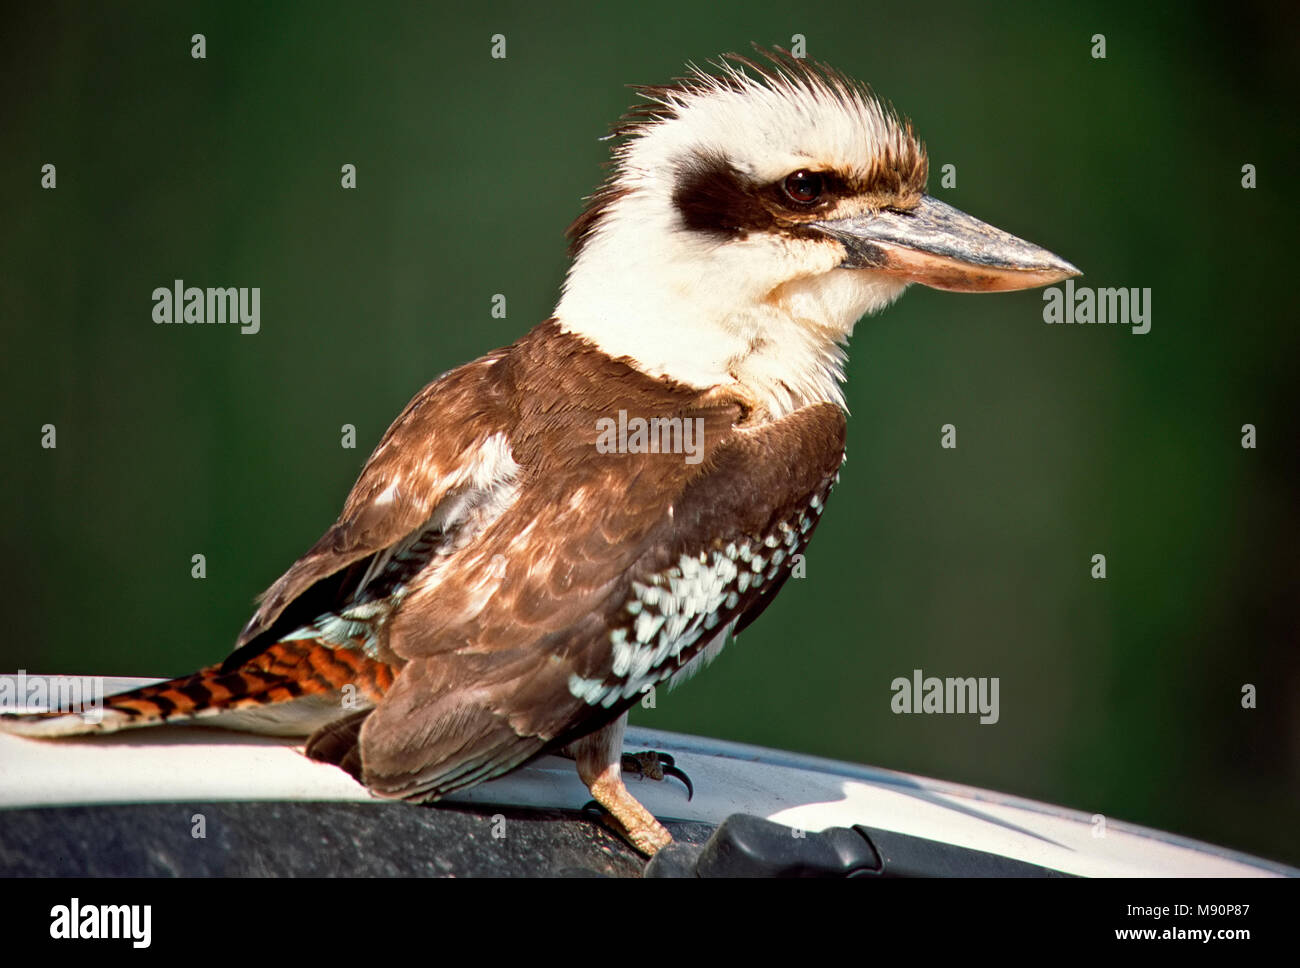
508	576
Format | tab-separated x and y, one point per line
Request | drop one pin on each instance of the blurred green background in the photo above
1119	696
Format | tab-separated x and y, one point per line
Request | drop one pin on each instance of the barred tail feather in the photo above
290	689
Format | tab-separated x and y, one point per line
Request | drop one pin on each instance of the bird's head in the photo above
752	215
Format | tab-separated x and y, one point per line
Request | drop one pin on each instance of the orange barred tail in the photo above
290	689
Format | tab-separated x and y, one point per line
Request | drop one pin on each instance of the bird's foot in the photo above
622	811
600	761
650	765
646	837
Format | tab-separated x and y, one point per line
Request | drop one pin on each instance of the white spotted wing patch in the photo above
676	621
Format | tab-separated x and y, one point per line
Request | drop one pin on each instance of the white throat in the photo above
708	314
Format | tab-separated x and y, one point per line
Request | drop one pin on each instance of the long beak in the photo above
944	248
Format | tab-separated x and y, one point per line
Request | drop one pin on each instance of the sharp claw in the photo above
655	766
670	770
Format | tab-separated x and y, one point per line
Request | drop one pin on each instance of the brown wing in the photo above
607	575
438	447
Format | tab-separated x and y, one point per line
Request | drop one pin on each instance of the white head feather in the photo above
766	309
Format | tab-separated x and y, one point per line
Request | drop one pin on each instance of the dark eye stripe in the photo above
712	197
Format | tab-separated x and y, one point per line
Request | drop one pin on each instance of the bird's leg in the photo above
636	823
599	756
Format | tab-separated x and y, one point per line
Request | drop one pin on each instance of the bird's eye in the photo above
804	186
